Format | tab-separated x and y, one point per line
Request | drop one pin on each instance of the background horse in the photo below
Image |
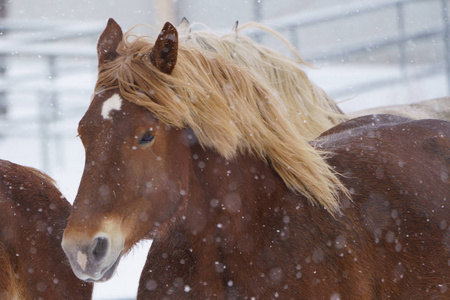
213	170
33	214
427	109
313	110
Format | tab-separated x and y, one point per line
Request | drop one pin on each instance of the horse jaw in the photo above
95	259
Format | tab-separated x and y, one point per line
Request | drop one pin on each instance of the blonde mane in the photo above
309	107
229	109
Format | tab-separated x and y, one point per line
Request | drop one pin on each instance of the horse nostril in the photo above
100	248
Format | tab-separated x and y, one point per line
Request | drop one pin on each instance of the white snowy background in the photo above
52	146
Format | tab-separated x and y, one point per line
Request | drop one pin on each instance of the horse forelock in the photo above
229	110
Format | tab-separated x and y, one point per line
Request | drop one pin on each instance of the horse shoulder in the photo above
412	153
397	172
394	167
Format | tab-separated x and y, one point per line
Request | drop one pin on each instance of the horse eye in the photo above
146	138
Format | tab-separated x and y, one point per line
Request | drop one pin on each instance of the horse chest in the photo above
276	263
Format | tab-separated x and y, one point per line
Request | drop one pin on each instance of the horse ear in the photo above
164	53
108	42
185	27
235	27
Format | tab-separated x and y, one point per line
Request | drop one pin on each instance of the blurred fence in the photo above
49	68
399	38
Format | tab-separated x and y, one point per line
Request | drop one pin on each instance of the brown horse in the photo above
33	215
198	154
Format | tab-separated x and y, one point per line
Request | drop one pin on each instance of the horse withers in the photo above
33	215
196	153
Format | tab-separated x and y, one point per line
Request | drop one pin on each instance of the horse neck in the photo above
232	197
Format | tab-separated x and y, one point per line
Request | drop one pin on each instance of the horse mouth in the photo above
108	272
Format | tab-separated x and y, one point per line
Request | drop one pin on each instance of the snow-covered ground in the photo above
21	131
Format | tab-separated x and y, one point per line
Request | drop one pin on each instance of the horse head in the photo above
127	151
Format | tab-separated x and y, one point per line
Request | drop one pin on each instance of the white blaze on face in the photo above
81	259
113	103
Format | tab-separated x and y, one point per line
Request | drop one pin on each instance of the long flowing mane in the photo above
309	107
229	109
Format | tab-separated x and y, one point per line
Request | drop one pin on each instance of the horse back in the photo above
30	202
397	171
407	160
413	153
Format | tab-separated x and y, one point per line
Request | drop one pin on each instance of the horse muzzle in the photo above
94	259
